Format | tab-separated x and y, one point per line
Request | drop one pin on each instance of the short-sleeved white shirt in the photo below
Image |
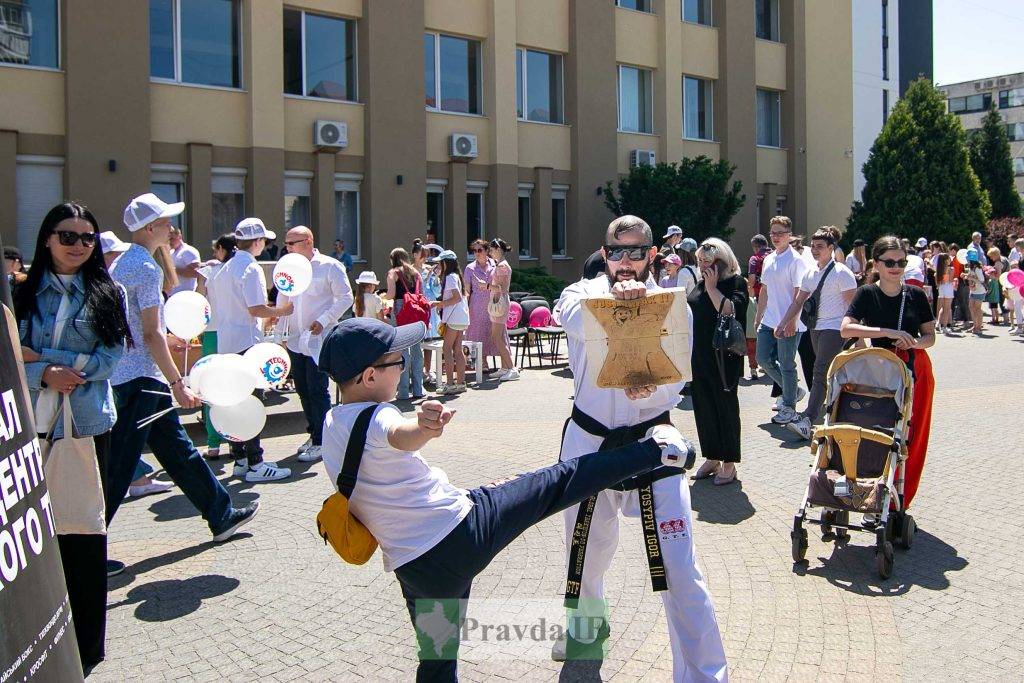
688	277
832	305
451	283
782	273
853	264
407	505
239	284
183	256
914	269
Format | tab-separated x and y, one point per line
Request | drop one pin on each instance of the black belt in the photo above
614	438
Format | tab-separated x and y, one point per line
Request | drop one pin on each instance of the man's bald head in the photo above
299	240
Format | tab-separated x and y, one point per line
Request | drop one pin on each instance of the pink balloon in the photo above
1015	277
515	314
540	317
1021	290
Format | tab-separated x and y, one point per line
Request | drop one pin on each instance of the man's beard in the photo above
629	274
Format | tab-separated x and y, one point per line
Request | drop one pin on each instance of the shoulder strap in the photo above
354	451
821	282
693	273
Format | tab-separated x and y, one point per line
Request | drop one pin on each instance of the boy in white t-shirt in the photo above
435	536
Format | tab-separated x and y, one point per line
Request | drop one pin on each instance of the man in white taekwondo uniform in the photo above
610	415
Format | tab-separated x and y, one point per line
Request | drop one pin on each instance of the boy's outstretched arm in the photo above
414	433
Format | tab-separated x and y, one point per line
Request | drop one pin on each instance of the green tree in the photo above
990	157
694	194
919	180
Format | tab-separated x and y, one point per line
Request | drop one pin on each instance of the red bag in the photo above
415	307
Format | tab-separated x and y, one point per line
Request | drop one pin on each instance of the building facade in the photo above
370	120
971	100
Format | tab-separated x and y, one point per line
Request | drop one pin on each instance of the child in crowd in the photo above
368	303
455	319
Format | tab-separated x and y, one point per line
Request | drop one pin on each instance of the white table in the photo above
436	345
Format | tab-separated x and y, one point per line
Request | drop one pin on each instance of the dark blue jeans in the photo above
499	515
171	447
311	386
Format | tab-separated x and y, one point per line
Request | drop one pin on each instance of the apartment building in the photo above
971	100
372	120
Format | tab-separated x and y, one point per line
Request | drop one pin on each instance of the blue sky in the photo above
977	38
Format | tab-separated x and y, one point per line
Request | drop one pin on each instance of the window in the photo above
558	222
768	118
538	86
1011	98
525	225
452	73
636	100
228	188
296	198
195	41
767	19
319	56
346	214
1018	166
1015	131
885	39
698	94
38	186
171	193
885	106
474	214
435	210
30	36
638	5
970	103
697	11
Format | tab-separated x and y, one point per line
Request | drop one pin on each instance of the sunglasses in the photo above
304	239
68	238
615	252
893	263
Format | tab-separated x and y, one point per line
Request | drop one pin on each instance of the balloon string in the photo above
146	421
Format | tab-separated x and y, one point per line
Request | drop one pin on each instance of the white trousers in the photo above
697	650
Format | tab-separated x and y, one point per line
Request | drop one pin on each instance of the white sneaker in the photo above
510	375
267	472
311	454
459	388
801	427
305	447
148	489
778	403
675	450
784	416
240	468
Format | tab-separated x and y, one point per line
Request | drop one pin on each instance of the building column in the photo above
264	54
322	211
668	82
455	207
541	219
8	189
199	194
794	111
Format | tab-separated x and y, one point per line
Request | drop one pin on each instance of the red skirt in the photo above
920	422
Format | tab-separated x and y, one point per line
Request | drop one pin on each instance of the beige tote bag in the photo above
72	475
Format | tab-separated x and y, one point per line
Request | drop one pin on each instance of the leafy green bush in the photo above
537	281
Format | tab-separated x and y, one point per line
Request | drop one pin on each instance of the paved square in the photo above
276	604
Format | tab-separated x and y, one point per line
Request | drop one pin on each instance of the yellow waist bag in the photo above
335	522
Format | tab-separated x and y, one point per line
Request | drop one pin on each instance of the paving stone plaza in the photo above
276	604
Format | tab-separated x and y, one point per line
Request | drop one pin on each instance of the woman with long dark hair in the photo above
403	278
455	319
497	307
73	330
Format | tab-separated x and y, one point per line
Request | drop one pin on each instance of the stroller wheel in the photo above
799	542
884	560
907	532
893	526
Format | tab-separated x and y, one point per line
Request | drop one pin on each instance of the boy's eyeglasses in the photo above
616	252
893	263
68	238
400	361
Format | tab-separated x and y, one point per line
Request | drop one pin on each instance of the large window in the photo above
30	34
1015	131
195	41
538	86
319	56
38	187
636	100
435	211
228	190
697	11
525	224
474	214
452	73
766	15
1011	98
769	117
346	214
296	198
170	188
558	222
638	5
970	103
698	95
1018	166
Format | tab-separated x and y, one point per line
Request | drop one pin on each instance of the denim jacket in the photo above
92	404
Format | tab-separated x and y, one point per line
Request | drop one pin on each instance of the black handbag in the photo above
729	337
809	312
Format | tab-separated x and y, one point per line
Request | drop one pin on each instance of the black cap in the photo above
356	344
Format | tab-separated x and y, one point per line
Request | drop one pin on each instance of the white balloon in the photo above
240	422
961	256
187	314
293	274
197	371
1003	282
226	380
1015	293
270	362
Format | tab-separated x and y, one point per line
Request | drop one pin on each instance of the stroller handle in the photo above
848	438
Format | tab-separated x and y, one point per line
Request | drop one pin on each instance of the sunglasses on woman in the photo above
68	238
616	252
893	263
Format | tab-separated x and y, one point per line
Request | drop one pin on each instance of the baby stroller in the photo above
858	455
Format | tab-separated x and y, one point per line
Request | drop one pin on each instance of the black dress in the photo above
716	411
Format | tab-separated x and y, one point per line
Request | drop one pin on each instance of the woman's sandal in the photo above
704	474
723	481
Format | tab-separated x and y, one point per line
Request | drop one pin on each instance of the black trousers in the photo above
717	414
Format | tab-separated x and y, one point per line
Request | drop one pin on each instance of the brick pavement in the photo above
275	604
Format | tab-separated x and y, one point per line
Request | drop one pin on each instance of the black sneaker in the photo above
237	518
114	568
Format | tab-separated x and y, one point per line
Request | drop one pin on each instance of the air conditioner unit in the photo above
641	157
1002	81
462	146
330	134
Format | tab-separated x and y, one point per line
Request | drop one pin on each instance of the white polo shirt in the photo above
235	287
328	297
183	256
781	274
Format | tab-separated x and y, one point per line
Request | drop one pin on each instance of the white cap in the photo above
367	277
434	247
672	230
252	228
112	244
146	208
922	243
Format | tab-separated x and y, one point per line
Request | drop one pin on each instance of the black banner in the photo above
37	638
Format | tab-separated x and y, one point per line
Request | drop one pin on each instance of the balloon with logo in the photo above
293	274
197	371
226	380
241	421
187	314
270	362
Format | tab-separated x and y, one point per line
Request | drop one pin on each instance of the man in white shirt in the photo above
673	236
601	419
186	261
317	311
238	300
978	247
1017	252
781	277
